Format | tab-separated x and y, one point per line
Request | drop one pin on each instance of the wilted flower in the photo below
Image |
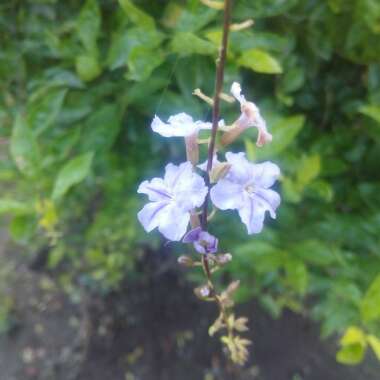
250	117
246	188
172	199
203	241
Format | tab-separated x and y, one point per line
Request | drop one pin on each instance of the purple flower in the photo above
171	200
203	242
246	188
250	116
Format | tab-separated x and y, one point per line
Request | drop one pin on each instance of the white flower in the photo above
250	116
246	188
180	125
171	200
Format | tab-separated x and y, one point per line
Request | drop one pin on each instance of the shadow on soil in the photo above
154	329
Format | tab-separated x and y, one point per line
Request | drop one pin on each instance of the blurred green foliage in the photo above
80	82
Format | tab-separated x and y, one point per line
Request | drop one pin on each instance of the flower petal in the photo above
180	118
227	195
236	93
174	173
252	215
268	199
206	243
241	168
189	189
180	125
215	162
174	222
265	174
151	213
192	235
155	189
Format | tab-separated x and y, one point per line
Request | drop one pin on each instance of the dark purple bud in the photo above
203	241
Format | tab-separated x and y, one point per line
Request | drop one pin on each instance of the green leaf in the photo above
315	252
260	61
136	15
260	256
101	129
87	67
284	131
290	190
142	61
297	275
374	342
353	344
322	189
353	335
308	169
293	79
185	43
24	149
75	171
370	304
56	255
22	227
13	207
246	40
372	111
124	41
195	20
351	355
271	305
88	25
263	8
44	106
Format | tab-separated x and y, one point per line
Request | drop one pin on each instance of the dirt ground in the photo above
154	329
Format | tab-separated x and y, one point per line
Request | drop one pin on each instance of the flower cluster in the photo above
181	198
241	186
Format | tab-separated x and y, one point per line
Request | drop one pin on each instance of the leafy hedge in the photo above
80	82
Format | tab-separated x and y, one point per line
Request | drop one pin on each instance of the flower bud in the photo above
219	171
230	136
223	258
192	148
185	261
202	292
233	286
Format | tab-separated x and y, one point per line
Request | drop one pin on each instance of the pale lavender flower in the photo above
246	188
250	117
182	125
171	200
203	241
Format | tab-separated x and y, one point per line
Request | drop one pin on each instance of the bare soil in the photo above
152	329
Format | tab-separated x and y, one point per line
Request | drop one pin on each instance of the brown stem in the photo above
221	61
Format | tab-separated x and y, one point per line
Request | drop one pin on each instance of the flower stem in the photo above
221	61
